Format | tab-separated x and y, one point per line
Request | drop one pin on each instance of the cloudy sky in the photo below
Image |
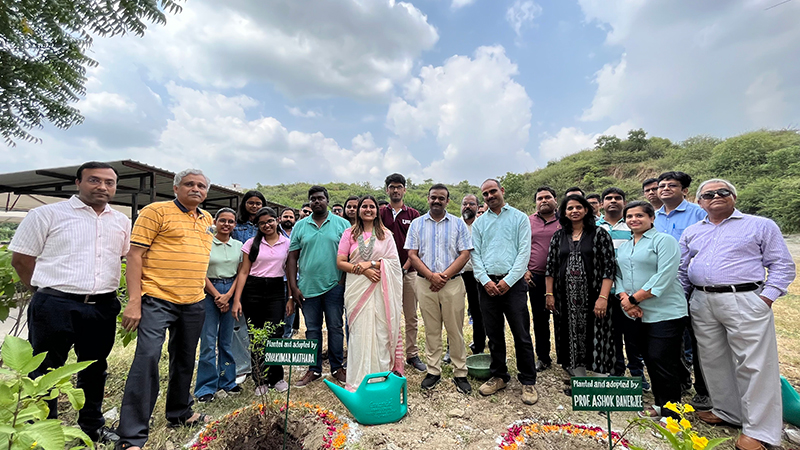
278	91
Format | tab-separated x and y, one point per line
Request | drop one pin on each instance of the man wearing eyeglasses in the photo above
69	254
650	191
723	262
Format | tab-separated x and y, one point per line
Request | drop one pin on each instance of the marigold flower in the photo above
672	425
699	443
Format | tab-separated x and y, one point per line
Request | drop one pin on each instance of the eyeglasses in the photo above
669	185
267	222
97	182
708	195
392	187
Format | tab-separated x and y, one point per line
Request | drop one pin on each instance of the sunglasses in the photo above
708	195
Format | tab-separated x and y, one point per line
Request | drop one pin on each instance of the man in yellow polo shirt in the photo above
167	263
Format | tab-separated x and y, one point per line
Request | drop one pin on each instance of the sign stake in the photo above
286	419
610	439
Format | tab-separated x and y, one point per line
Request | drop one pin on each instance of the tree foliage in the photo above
43	55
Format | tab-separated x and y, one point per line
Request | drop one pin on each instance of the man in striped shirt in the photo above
438	245
167	263
69	254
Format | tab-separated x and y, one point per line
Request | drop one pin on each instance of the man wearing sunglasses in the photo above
723	262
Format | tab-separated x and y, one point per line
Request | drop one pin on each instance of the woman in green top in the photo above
214	372
647	281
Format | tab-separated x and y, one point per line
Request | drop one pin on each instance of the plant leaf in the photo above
16	352
71	433
716	441
33	364
47	434
674	442
46	382
76	397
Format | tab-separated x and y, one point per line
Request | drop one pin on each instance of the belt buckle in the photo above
86	299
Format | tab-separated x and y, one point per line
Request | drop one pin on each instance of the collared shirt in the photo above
318	247
225	258
271	260
398	224
652	264
244	231
439	243
734	252
541	233
283	232
468	265
178	243
620	232
502	245
77	251
678	219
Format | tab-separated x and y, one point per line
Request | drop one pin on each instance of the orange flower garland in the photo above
517	433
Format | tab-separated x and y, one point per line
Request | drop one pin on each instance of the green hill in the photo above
763	165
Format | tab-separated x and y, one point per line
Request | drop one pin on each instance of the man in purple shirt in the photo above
544	223
723	262
397	217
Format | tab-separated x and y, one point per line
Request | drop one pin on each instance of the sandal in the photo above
651	412
125	445
201	419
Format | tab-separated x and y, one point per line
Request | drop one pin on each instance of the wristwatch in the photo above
632	300
373	264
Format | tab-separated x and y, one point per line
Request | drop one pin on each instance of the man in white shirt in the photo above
69	254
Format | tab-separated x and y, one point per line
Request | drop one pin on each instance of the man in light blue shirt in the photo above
502	241
438	245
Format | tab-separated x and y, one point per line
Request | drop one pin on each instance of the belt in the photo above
221	279
744	287
497	278
454	276
88	299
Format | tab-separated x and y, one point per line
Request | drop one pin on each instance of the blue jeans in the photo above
288	320
215	373
331	304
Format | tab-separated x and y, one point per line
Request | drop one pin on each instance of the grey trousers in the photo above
185	323
739	357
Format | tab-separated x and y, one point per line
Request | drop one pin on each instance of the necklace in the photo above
365	248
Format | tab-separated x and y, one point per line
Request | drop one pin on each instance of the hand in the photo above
289	307
625	303
223	301
550	302
236	309
600	307
491	289
132	314
767	301
636	312
437	281
503	287
298	297
372	274
528	277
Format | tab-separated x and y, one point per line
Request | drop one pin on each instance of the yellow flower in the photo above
35	443
688	408
672	425
699	443
685	424
672	407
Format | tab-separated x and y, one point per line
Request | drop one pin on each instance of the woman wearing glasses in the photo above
647	281
261	297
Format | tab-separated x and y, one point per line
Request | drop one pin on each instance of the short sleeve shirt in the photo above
225	258
318	248
438	243
271	260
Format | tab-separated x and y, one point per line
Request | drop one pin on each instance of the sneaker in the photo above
104	435
462	385
240	378
417	364
281	386
235	390
340	375
701	402
492	386
205	398
430	381
645	385
262	390
529	394
446	359
541	366
309	377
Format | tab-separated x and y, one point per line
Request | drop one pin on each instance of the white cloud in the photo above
692	67
99	104
297	112
351	48
570	140
521	14
479	115
461	3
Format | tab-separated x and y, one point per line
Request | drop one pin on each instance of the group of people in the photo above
674	286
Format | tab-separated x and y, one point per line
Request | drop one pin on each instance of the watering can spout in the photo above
381	398
349	399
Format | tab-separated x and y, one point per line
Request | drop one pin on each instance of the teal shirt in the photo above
502	245
652	265
225	258
318	247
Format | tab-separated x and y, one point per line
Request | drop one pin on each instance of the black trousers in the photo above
513	306
57	324
473	302
541	318
685	374
185	324
661	345
263	302
626	336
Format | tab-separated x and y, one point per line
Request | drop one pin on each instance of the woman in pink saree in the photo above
373	295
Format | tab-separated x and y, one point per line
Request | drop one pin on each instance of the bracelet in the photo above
603	296
290	297
549	293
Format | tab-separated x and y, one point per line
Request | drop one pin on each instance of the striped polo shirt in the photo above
178	243
438	243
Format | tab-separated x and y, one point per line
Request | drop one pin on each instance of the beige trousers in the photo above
410	313
739	357
443	307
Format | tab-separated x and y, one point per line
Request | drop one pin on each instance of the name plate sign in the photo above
606	394
290	352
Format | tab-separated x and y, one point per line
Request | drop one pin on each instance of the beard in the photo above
467	214
286	224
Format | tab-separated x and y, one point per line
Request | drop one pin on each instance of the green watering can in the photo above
791	403
381	398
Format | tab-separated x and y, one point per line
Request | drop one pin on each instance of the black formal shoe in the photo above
462	385
205	398
541	366
430	381
104	435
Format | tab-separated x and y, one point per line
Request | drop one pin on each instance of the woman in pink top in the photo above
373	295
261	297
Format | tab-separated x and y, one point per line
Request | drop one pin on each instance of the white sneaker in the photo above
240	379
262	390
281	386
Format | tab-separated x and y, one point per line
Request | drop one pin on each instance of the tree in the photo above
43	46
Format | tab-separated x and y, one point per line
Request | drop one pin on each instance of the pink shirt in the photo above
271	260
347	244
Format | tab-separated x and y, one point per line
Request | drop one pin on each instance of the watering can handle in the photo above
384	375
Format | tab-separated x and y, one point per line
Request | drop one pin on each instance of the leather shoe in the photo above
709	417
747	443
